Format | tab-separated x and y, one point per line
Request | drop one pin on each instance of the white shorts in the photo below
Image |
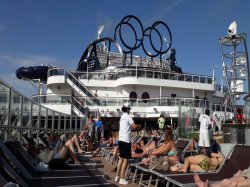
204	139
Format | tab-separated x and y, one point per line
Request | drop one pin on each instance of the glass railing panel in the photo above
165	75
139	103
4	134
76	103
68	122
149	74
56	120
4	104
188	78
53	99
203	79
195	78
35	115
180	77
62	123
173	76
78	125
157	75
209	80
120	102
43	117
16	106
112	102
50	118
154	102
27	113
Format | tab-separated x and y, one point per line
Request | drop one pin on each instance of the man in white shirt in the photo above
205	124
126	126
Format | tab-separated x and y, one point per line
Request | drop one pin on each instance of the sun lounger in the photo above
80	178
226	148
181	145
238	160
8	174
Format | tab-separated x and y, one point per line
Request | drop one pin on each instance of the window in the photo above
145	97
133	96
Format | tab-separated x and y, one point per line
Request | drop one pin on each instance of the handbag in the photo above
158	163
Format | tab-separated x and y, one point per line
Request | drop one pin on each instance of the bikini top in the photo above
172	153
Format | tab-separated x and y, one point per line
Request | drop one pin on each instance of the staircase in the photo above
81	88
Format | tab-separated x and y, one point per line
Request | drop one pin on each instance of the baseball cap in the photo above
126	105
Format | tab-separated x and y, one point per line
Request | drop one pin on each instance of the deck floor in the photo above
108	170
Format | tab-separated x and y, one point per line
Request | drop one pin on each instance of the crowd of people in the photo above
205	160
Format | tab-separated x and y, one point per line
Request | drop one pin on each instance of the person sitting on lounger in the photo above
240	179
204	161
104	143
167	148
61	150
141	150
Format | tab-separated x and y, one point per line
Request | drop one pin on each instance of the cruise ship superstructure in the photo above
110	73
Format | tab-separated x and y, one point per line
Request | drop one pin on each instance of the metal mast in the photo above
235	65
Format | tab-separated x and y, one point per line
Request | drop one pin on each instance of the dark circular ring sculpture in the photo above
154	28
138	39
151	42
122	40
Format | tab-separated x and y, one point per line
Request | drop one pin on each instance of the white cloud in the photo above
23	87
10	63
27	60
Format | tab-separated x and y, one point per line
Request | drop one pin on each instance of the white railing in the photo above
118	101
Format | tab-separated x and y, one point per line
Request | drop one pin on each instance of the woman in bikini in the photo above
168	149
201	162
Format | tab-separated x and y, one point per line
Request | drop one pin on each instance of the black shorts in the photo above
99	136
125	150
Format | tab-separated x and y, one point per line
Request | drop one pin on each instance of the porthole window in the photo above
133	96
145	97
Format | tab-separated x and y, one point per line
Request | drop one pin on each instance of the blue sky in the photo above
57	32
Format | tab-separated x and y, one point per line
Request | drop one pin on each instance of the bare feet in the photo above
80	151
77	162
94	154
239	172
183	170
199	182
144	161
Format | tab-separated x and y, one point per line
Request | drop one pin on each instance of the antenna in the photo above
101	28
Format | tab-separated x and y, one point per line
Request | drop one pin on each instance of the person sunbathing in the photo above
168	148
74	140
142	150
202	162
59	149
104	143
240	179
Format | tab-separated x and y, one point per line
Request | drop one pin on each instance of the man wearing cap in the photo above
126	126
